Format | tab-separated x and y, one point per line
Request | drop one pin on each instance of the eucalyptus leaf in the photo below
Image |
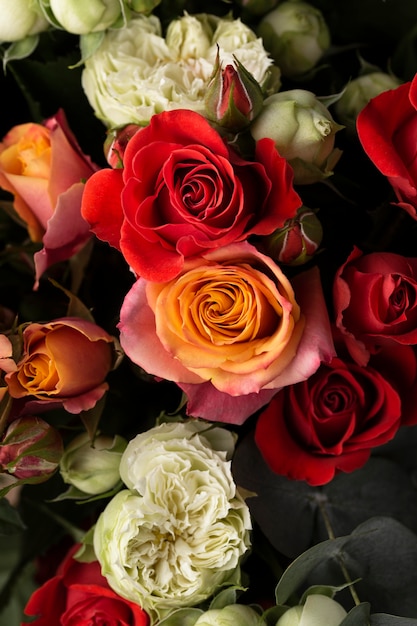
358	616
383	619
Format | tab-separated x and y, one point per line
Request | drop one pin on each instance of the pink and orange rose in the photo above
387	129
236	330
183	191
44	168
63	362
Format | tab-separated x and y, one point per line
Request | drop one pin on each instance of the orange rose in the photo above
45	170
234	324
65	361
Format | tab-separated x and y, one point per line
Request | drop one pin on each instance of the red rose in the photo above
182	191
387	129
78	594
329	423
375	302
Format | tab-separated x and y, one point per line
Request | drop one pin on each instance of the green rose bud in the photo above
358	93
81	18
297	241
20	19
296	35
317	610
92	467
233	97
304	133
31	449
230	616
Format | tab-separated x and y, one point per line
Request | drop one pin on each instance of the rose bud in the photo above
20	19
81	18
296	35
358	92
116	142
297	241
92	467
229	615
233	97
64	363
31	448
304	133
317	609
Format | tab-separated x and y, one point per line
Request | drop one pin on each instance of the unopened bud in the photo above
297	241
233	97
116	142
296	35
92	467
31	448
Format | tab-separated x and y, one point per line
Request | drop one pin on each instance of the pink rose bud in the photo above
31	448
116	142
233	97
297	241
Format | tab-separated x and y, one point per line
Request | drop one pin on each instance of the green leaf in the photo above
358	616
383	619
10	520
20	49
181	617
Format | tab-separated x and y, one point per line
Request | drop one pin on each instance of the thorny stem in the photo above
329	529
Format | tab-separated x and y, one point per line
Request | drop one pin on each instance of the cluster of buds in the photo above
297	241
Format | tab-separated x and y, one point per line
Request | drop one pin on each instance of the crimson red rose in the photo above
387	129
329	423
79	595
182	191
375	302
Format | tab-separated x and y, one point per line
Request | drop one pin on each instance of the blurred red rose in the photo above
78	594
44	168
329	423
182	190
387	129
375	302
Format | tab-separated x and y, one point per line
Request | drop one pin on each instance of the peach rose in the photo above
64	362
45	169
234	330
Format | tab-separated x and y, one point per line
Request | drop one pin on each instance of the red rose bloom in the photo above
329	423
387	129
375	302
182	191
78	595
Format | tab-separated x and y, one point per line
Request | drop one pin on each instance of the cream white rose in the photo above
19	19
180	529
137	71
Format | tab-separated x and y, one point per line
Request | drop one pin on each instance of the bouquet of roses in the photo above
208	390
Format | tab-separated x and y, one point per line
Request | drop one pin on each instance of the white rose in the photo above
19	19
318	610
230	616
81	18
180	529
136	72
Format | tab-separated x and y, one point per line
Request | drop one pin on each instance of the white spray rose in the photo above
180	529
19	19
81	18
137	72
304	133
318	610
